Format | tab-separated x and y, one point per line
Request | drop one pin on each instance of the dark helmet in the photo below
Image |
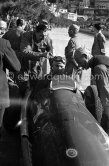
57	60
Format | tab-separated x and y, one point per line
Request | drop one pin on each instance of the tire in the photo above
93	102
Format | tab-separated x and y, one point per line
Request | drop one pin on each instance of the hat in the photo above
74	27
59	59
98	26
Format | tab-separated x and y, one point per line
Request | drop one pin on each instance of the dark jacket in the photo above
14	36
8	60
98	47
100	71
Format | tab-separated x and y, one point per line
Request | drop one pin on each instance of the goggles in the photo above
59	59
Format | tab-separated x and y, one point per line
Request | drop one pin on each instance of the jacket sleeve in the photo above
102	40
10	58
26	48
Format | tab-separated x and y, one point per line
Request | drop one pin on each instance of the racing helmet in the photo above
58	61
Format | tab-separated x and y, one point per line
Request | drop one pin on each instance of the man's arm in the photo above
10	58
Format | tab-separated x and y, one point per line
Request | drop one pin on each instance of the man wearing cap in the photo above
98	47
100	66
41	85
57	73
57	64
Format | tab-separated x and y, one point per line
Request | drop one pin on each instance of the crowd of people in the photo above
24	52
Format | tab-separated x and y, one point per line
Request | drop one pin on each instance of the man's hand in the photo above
45	55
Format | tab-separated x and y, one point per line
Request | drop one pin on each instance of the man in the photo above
8	60
47	36
100	66
35	47
57	68
14	35
98	47
73	44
